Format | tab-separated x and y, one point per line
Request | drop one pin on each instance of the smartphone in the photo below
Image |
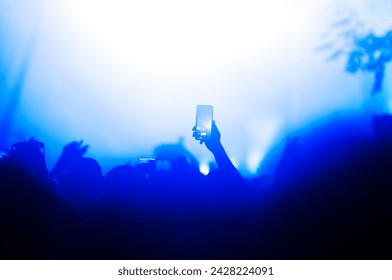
204	114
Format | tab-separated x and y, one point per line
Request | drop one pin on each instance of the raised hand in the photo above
71	154
74	150
213	143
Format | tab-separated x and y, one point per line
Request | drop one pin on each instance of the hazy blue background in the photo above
125	76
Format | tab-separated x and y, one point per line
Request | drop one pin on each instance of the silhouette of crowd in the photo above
329	198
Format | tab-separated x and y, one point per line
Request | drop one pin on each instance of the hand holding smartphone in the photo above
204	116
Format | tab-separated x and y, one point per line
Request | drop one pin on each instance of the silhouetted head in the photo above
123	175
121	180
87	168
83	184
121	172
30	156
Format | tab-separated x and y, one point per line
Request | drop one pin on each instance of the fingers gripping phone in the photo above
204	114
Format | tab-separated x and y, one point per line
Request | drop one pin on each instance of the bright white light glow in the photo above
204	168
174	38
263	140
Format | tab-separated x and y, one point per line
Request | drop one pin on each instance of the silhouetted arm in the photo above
215	146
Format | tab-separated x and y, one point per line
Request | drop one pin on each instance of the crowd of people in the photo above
326	200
